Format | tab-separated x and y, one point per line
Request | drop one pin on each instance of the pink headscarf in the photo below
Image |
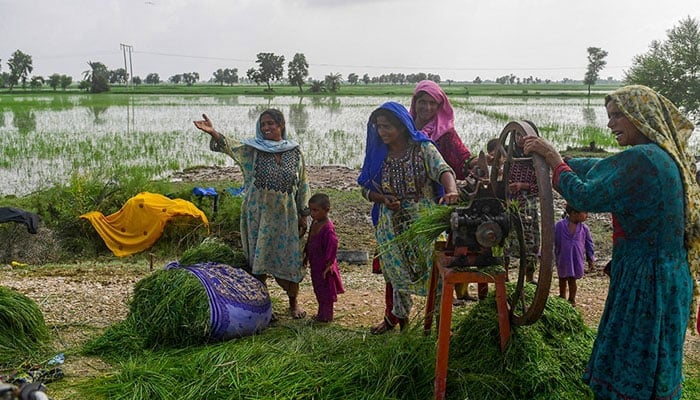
444	120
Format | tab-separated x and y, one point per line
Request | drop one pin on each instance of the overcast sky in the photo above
456	39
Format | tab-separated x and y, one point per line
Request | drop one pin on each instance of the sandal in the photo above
383	327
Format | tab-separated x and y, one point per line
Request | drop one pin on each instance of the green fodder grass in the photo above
214	250
307	361
431	222
169	309
24	335
298	362
544	360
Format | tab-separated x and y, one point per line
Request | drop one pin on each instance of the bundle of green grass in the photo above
544	360
304	361
23	331
172	308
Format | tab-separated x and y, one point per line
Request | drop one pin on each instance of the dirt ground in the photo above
80	300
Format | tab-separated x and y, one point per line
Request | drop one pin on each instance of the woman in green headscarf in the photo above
651	191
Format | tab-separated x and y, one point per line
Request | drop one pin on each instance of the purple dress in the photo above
572	250
321	249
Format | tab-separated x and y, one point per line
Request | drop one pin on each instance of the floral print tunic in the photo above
277	191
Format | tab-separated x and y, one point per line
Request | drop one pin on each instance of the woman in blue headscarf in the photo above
273	212
402	174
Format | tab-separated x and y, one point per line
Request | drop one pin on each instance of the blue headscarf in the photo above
376	151
269	146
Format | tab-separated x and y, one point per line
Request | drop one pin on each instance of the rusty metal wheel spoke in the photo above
526	309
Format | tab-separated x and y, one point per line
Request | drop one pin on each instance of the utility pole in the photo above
130	69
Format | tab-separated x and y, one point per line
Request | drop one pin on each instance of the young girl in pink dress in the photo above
319	253
573	247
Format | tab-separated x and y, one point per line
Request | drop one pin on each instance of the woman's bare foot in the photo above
381	328
297	312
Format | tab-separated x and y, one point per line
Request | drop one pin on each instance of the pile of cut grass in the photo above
24	335
544	360
214	250
169	309
295	362
307	361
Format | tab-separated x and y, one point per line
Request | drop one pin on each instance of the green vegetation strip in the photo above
307	361
23	332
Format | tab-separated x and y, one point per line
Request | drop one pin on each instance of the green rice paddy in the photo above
46	138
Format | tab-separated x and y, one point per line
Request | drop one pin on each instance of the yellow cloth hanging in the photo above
140	222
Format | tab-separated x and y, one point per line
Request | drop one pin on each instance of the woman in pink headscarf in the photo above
433	115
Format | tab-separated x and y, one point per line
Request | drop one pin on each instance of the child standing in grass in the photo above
320	254
573	246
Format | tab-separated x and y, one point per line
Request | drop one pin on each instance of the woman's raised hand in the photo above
205	125
538	145
450	198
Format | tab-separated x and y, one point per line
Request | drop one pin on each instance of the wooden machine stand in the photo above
450	275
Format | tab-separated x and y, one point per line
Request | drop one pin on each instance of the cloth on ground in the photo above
140	222
11	214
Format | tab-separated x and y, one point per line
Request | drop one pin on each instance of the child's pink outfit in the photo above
321	249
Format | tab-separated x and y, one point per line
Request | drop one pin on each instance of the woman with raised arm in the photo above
273	212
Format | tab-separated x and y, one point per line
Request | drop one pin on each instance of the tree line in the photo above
670	66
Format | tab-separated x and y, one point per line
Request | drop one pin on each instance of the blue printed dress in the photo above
638	351
276	191
412	179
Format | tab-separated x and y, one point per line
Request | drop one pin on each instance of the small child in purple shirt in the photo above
320	253
573	247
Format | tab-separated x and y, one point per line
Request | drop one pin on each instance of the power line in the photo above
387	67
191	56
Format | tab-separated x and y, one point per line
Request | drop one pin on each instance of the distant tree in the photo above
98	76
477	80
317	86
332	82
119	76
136	80
254	75
219	76
672	67
366	79
596	62
353	78
84	85
270	68
152	79
36	82
231	76
298	70
434	77
415	78
190	78
20	67
175	79
66	81
54	81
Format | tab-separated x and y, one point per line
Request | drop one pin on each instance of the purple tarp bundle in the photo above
239	303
